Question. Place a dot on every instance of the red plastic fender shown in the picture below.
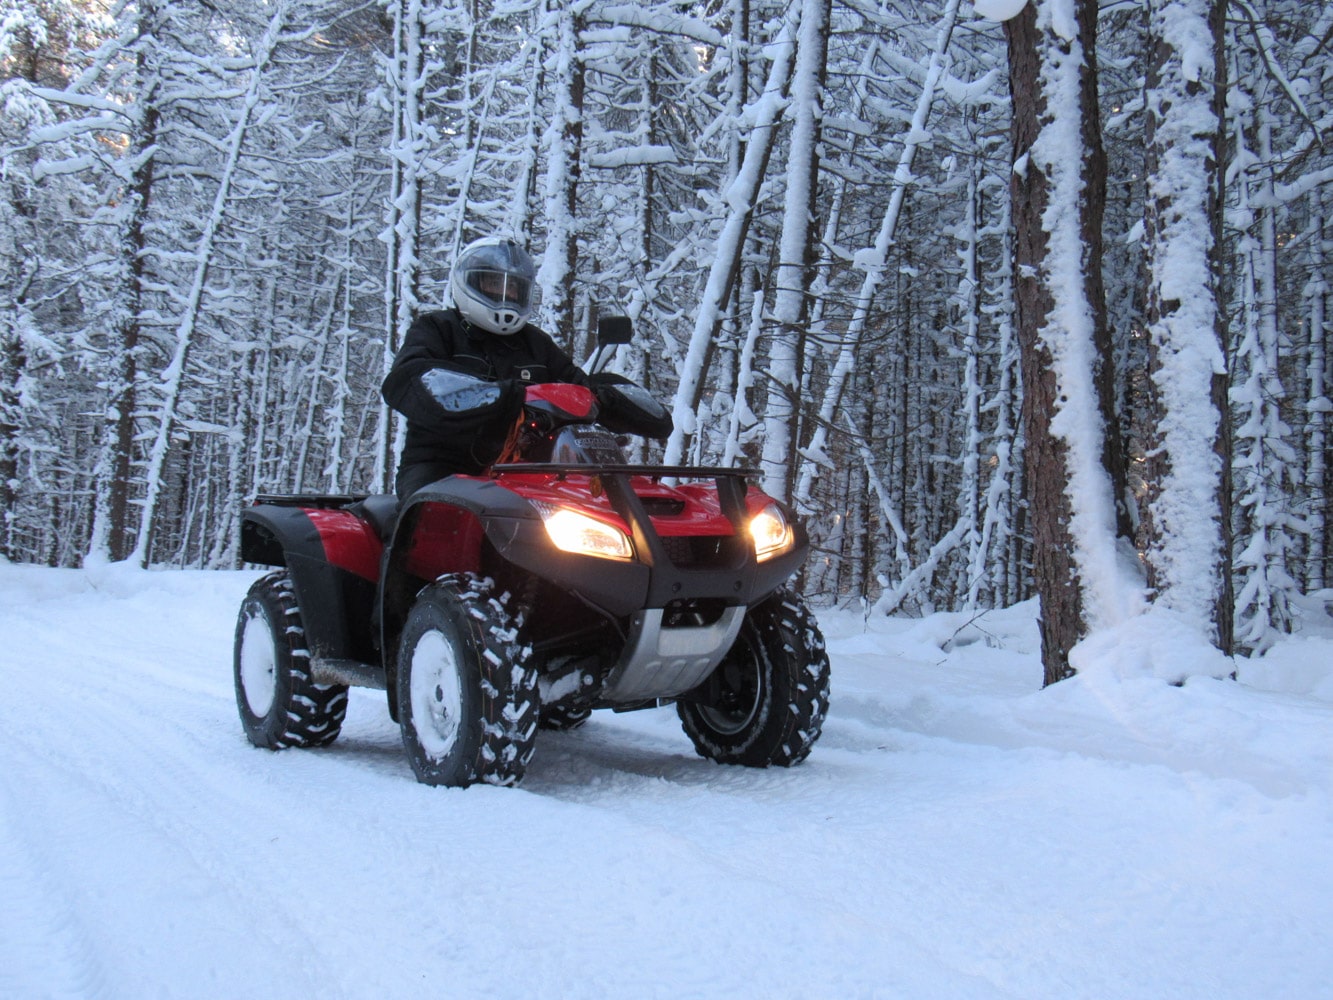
(349, 542)
(574, 401)
(445, 539)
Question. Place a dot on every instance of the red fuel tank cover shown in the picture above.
(574, 401)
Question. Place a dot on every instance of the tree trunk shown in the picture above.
(563, 147)
(1182, 519)
(174, 376)
(741, 195)
(791, 303)
(873, 262)
(1316, 427)
(1056, 186)
(111, 508)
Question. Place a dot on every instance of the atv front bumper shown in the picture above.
(667, 570)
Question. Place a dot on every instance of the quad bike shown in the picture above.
(561, 581)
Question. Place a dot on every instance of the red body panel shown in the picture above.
(569, 400)
(349, 542)
(446, 540)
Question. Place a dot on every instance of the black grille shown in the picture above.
(662, 506)
(708, 551)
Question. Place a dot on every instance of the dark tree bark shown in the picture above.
(1052, 555)
(1057, 575)
(13, 362)
(113, 482)
(1225, 617)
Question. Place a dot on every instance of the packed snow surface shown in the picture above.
(957, 832)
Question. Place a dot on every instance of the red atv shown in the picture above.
(561, 581)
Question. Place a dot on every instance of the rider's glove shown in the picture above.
(627, 408)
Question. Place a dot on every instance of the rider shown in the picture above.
(459, 377)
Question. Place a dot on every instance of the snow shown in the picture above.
(998, 10)
(633, 156)
(957, 831)
(1186, 349)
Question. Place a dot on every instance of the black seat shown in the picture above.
(381, 510)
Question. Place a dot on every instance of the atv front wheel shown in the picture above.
(280, 704)
(765, 702)
(467, 700)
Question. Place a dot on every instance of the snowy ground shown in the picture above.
(956, 833)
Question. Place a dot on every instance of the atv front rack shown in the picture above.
(563, 469)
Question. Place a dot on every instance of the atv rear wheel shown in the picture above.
(467, 700)
(280, 704)
(765, 702)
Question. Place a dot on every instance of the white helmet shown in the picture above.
(492, 285)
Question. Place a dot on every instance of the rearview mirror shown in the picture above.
(614, 330)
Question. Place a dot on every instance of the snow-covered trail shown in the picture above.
(955, 832)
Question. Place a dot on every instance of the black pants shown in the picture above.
(412, 477)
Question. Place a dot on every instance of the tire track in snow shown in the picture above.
(162, 870)
(136, 763)
(39, 924)
(702, 826)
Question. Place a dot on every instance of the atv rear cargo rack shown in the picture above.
(317, 501)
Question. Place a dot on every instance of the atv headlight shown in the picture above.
(571, 531)
(771, 533)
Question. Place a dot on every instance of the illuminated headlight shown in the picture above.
(771, 533)
(571, 531)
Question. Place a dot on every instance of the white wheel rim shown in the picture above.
(437, 694)
(259, 665)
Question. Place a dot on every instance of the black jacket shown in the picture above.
(461, 389)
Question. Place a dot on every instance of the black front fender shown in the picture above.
(335, 604)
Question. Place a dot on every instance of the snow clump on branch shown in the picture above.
(998, 10)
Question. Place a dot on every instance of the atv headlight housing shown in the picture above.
(771, 533)
(572, 531)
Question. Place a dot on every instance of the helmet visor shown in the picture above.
(500, 288)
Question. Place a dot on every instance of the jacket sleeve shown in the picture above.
(426, 387)
(560, 366)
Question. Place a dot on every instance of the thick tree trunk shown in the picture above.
(1094, 204)
(1057, 186)
(1183, 517)
(1052, 561)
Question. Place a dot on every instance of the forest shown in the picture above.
(1000, 297)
